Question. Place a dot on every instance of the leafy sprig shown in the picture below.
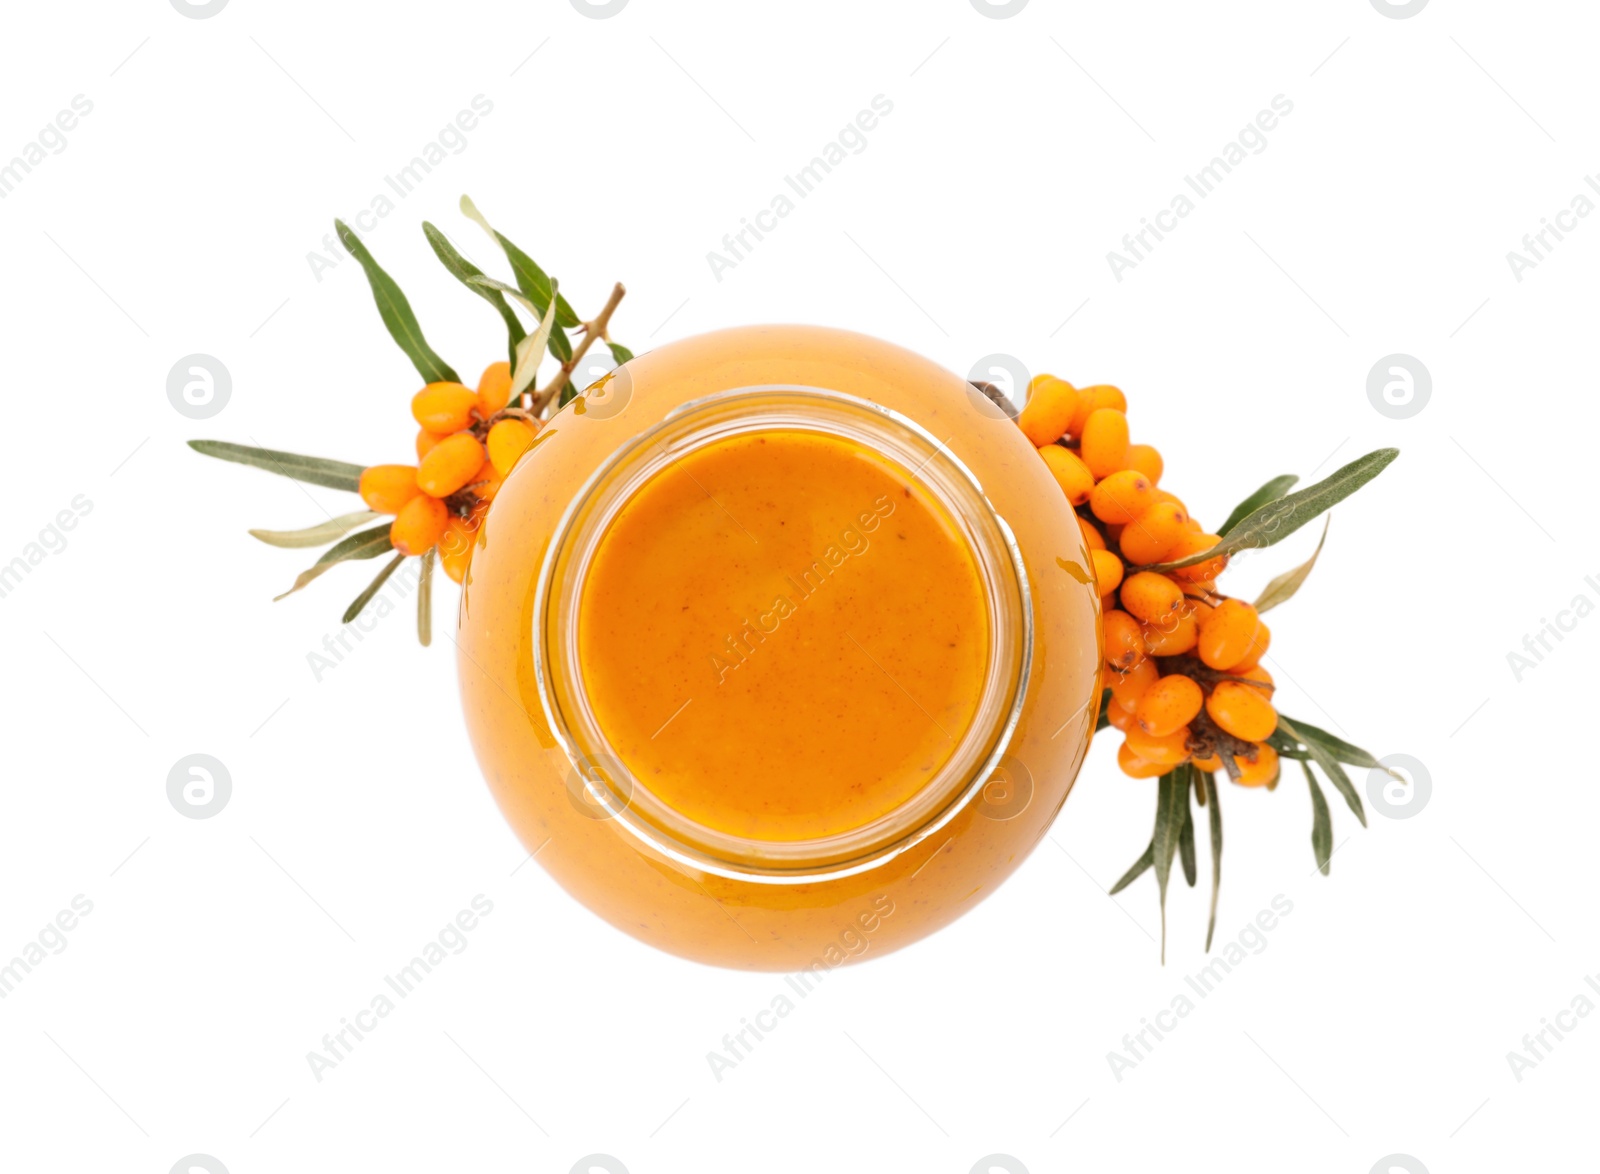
(1262, 519)
(552, 316)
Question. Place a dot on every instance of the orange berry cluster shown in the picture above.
(1183, 662)
(466, 445)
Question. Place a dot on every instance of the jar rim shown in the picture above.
(601, 784)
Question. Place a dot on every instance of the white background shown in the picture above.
(179, 218)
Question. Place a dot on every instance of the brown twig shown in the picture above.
(591, 331)
(1207, 739)
(1204, 675)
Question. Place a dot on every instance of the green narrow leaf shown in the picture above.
(530, 348)
(315, 535)
(1164, 841)
(1186, 845)
(1282, 588)
(425, 600)
(1332, 743)
(532, 281)
(464, 271)
(1271, 491)
(1139, 867)
(1215, 808)
(1276, 520)
(619, 353)
(312, 470)
(483, 282)
(529, 352)
(1321, 822)
(1330, 767)
(361, 601)
(304, 579)
(367, 544)
(559, 344)
(396, 312)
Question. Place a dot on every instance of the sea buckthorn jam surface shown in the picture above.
(783, 635)
(780, 646)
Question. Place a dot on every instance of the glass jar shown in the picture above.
(805, 816)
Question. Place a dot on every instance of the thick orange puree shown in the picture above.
(783, 635)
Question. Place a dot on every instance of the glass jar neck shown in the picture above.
(602, 784)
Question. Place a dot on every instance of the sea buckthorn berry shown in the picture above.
(1170, 704)
(1123, 639)
(494, 388)
(1104, 446)
(1193, 542)
(455, 549)
(1121, 497)
(1127, 687)
(1107, 571)
(1119, 718)
(486, 482)
(1070, 473)
(1091, 399)
(387, 488)
(1151, 597)
(508, 440)
(1168, 749)
(444, 407)
(1149, 537)
(1091, 536)
(453, 462)
(1163, 495)
(1213, 763)
(1147, 460)
(1242, 710)
(1051, 405)
(1227, 633)
(1172, 636)
(1260, 773)
(1260, 676)
(1135, 767)
(425, 441)
(1258, 649)
(418, 525)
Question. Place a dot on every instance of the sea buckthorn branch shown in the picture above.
(1185, 686)
(468, 439)
(591, 331)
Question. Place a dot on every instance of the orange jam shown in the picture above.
(783, 635)
(779, 648)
